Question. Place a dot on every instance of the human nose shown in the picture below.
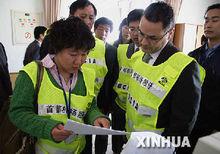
(103, 33)
(79, 60)
(208, 23)
(135, 32)
(143, 40)
(88, 22)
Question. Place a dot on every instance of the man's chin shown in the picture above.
(146, 50)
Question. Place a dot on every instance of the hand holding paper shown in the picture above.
(102, 122)
(79, 128)
(59, 133)
(83, 129)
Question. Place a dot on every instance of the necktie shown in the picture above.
(146, 57)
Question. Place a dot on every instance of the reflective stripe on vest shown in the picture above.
(125, 71)
(96, 61)
(148, 87)
(51, 103)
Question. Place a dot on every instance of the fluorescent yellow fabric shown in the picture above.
(148, 87)
(125, 70)
(202, 74)
(96, 61)
(51, 104)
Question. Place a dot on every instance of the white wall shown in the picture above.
(192, 11)
(15, 53)
(116, 10)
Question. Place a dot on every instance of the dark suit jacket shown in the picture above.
(209, 113)
(130, 50)
(32, 52)
(107, 95)
(178, 111)
(5, 83)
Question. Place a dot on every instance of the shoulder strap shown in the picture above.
(40, 72)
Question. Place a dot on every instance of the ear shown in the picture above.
(41, 37)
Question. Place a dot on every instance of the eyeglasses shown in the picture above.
(153, 39)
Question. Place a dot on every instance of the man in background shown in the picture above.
(102, 28)
(104, 64)
(124, 53)
(33, 49)
(208, 56)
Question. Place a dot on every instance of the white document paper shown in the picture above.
(80, 128)
(83, 129)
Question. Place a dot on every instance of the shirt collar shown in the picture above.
(213, 48)
(210, 51)
(39, 42)
(47, 61)
(157, 53)
(135, 47)
(216, 46)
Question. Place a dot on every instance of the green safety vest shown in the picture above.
(96, 61)
(148, 87)
(125, 71)
(51, 104)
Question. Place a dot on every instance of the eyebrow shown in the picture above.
(154, 36)
(214, 17)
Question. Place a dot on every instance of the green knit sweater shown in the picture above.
(21, 110)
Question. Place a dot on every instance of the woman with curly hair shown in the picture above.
(66, 91)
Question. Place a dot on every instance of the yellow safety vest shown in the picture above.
(96, 61)
(125, 71)
(148, 87)
(51, 104)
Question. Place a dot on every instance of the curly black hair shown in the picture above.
(70, 33)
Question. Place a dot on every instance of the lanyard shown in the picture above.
(67, 101)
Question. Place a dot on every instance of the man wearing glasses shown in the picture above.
(124, 54)
(165, 87)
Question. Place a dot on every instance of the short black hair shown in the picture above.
(39, 30)
(135, 15)
(80, 4)
(160, 12)
(70, 33)
(103, 21)
(124, 22)
(214, 6)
